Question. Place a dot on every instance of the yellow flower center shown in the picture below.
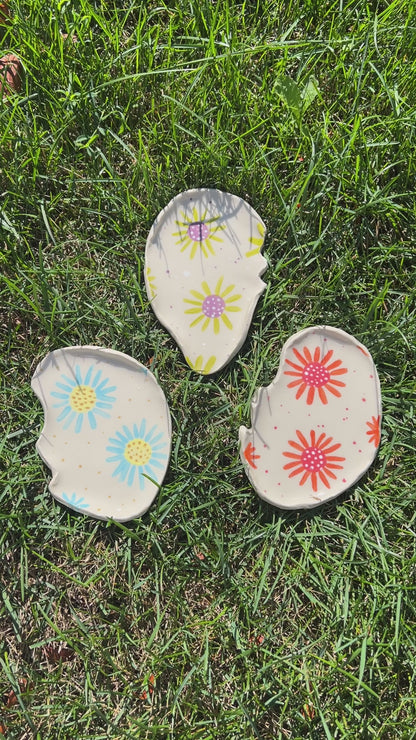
(83, 398)
(137, 452)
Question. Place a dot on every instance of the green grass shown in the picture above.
(255, 623)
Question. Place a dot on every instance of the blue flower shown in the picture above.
(137, 453)
(77, 503)
(81, 397)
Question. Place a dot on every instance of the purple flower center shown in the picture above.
(315, 374)
(198, 231)
(213, 306)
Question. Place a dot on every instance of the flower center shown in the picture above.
(198, 231)
(316, 374)
(313, 459)
(82, 399)
(213, 306)
(137, 452)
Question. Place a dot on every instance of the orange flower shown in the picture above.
(374, 431)
(313, 459)
(250, 456)
(315, 374)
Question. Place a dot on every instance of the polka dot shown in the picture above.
(198, 231)
(315, 374)
(313, 459)
(213, 306)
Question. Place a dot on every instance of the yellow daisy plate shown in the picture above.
(203, 268)
(107, 431)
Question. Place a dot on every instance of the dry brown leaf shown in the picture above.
(11, 74)
(56, 653)
(150, 687)
(308, 711)
(4, 14)
(10, 698)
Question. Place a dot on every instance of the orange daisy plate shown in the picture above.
(316, 427)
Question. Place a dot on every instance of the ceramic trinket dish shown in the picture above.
(107, 431)
(316, 427)
(203, 268)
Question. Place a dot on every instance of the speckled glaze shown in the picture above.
(316, 427)
(203, 268)
(107, 431)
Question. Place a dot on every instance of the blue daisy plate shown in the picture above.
(107, 431)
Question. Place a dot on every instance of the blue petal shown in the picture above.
(59, 405)
(101, 413)
(88, 375)
(127, 432)
(67, 388)
(104, 398)
(78, 425)
(122, 470)
(120, 445)
(149, 434)
(70, 419)
(117, 450)
(132, 473)
(114, 458)
(71, 381)
(97, 377)
(78, 375)
(103, 405)
(91, 419)
(64, 413)
(154, 463)
(155, 448)
(155, 439)
(101, 388)
(60, 395)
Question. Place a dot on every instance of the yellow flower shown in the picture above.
(213, 306)
(198, 232)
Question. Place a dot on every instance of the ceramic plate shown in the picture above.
(203, 268)
(107, 431)
(316, 428)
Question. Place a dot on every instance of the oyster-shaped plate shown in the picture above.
(107, 431)
(316, 427)
(203, 268)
